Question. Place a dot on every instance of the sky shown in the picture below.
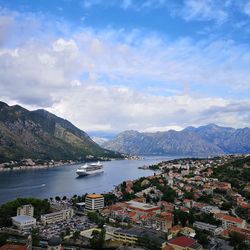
(114, 65)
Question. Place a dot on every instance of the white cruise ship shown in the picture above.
(90, 169)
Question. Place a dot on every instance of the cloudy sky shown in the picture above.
(113, 65)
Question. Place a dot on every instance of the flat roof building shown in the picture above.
(142, 207)
(94, 202)
(57, 216)
(23, 222)
(207, 227)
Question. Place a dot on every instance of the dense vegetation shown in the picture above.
(9, 209)
(236, 172)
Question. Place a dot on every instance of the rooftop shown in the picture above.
(140, 232)
(142, 206)
(183, 241)
(229, 218)
(13, 247)
(94, 196)
(22, 218)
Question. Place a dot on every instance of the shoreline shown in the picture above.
(35, 167)
(53, 164)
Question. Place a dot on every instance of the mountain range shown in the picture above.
(42, 135)
(202, 141)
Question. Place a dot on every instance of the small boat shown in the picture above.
(90, 169)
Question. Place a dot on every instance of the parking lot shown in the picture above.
(77, 223)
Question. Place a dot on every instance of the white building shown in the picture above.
(210, 210)
(57, 216)
(94, 202)
(25, 210)
(208, 227)
(23, 222)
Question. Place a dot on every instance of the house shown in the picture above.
(167, 206)
(175, 230)
(188, 231)
(243, 232)
(228, 221)
(184, 243)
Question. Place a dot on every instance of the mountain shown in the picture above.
(202, 141)
(42, 135)
(99, 140)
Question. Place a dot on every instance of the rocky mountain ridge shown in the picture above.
(42, 135)
(202, 141)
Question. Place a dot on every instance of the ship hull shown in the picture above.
(89, 173)
(84, 173)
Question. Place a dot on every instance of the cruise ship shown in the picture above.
(90, 169)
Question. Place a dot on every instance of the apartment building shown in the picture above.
(94, 202)
(57, 216)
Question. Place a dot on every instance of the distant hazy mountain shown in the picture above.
(201, 141)
(42, 135)
(99, 140)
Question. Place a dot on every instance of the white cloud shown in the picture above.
(113, 79)
(247, 8)
(113, 109)
(204, 10)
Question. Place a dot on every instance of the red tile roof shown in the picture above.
(13, 247)
(182, 241)
(228, 218)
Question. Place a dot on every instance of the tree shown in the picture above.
(148, 243)
(57, 198)
(8, 209)
(76, 234)
(67, 231)
(64, 198)
(94, 217)
(236, 239)
(3, 239)
(169, 195)
(98, 239)
(201, 237)
(35, 237)
(109, 199)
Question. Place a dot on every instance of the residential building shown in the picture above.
(142, 208)
(26, 210)
(210, 209)
(94, 202)
(243, 232)
(228, 221)
(188, 231)
(57, 216)
(23, 222)
(207, 227)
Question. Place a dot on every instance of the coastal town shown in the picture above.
(185, 204)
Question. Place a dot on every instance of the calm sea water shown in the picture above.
(45, 183)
